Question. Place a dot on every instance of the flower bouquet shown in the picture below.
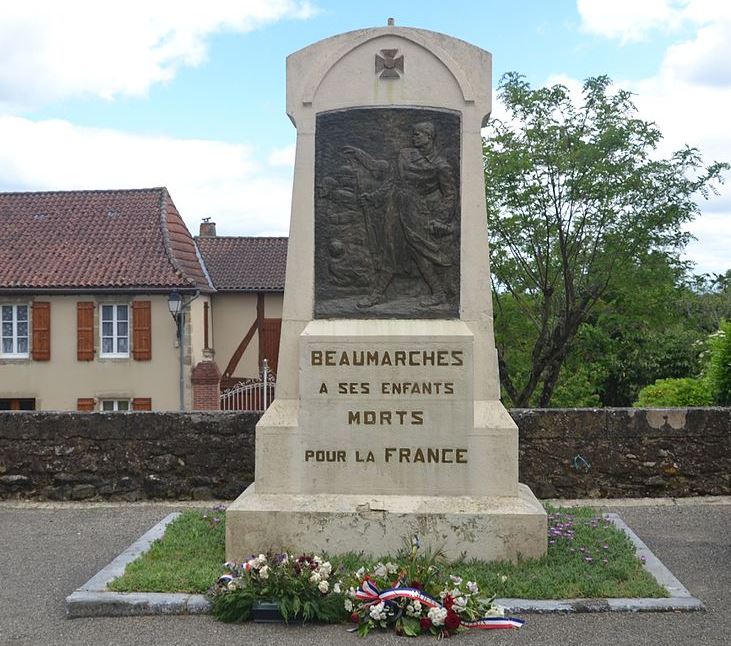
(300, 587)
(412, 598)
(418, 598)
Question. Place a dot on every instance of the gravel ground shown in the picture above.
(47, 551)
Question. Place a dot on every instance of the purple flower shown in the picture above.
(588, 559)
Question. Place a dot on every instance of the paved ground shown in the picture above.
(46, 552)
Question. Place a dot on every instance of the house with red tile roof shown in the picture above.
(86, 279)
(248, 275)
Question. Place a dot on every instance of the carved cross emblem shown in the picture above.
(388, 65)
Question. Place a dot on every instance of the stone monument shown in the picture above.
(387, 420)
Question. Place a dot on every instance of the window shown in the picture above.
(14, 330)
(115, 404)
(115, 330)
(18, 404)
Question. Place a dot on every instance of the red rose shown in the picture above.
(417, 585)
(355, 618)
(452, 620)
(448, 602)
(425, 623)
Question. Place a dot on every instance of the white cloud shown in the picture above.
(205, 178)
(710, 250)
(689, 98)
(282, 156)
(630, 20)
(705, 59)
(52, 50)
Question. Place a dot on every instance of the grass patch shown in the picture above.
(188, 558)
(587, 557)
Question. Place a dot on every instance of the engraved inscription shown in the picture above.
(387, 217)
(398, 455)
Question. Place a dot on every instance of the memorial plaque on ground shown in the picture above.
(387, 420)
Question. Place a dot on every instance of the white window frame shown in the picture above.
(115, 405)
(115, 354)
(14, 336)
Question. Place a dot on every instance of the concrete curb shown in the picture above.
(94, 600)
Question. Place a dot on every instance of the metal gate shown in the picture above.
(253, 395)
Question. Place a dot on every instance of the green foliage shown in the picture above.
(719, 365)
(580, 211)
(675, 393)
(300, 587)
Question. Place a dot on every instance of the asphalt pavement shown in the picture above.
(47, 551)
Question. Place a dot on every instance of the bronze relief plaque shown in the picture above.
(387, 213)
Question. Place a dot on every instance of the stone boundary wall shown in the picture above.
(566, 453)
(126, 456)
(625, 452)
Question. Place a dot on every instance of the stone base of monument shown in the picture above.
(486, 528)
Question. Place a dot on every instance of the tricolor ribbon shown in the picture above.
(225, 579)
(370, 594)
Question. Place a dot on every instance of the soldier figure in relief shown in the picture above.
(416, 206)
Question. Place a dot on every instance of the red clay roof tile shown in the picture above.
(131, 239)
(245, 263)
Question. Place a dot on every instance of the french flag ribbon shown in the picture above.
(494, 623)
(369, 593)
(227, 578)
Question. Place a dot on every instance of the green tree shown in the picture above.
(575, 195)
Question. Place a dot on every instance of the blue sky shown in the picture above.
(190, 95)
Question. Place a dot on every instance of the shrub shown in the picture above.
(675, 393)
(719, 365)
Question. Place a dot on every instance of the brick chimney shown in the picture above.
(208, 228)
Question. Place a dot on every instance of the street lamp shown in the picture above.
(177, 306)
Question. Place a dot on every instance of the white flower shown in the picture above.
(456, 579)
(378, 612)
(391, 568)
(264, 572)
(437, 616)
(231, 585)
(258, 561)
(325, 570)
(455, 592)
(323, 586)
(336, 588)
(503, 578)
(443, 594)
(495, 611)
(460, 603)
(472, 587)
(359, 574)
(348, 604)
(315, 578)
(414, 609)
(380, 570)
(351, 592)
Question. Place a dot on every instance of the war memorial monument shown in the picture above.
(388, 420)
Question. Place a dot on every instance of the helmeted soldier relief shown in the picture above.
(407, 197)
